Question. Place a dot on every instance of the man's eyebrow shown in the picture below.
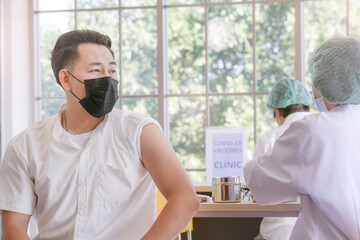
(99, 63)
(95, 64)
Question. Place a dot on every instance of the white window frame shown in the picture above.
(163, 67)
(162, 94)
(16, 83)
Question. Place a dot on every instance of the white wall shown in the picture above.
(16, 75)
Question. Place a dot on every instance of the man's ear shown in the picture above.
(278, 117)
(277, 113)
(64, 79)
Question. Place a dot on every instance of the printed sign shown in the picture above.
(225, 152)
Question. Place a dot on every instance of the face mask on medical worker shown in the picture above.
(101, 95)
(320, 104)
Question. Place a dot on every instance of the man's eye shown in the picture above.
(112, 71)
(95, 70)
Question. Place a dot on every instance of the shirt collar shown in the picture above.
(60, 134)
(294, 117)
(355, 108)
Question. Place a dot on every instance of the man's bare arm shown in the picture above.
(172, 181)
(14, 226)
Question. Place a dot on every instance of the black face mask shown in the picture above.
(101, 95)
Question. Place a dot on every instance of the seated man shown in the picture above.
(317, 157)
(290, 102)
(90, 172)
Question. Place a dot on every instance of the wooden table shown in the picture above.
(239, 210)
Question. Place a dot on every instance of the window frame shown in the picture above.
(162, 56)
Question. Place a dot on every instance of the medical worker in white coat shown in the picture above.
(290, 101)
(318, 157)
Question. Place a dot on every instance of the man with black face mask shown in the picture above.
(91, 172)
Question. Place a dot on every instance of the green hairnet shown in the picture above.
(287, 92)
(335, 70)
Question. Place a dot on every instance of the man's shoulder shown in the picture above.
(37, 129)
(129, 124)
(127, 118)
(126, 114)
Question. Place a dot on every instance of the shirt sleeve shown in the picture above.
(139, 131)
(133, 124)
(266, 142)
(273, 178)
(16, 187)
(262, 146)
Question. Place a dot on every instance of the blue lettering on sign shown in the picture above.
(223, 143)
(227, 164)
(238, 143)
(227, 150)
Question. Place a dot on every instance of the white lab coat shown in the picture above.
(318, 159)
(276, 228)
(267, 141)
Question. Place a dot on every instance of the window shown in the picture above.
(1, 77)
(196, 63)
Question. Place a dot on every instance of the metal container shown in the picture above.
(226, 189)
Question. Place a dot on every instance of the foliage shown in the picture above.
(209, 85)
(323, 20)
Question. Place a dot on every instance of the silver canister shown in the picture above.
(226, 189)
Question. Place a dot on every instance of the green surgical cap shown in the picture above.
(288, 92)
(335, 70)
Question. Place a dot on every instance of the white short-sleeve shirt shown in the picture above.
(100, 191)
